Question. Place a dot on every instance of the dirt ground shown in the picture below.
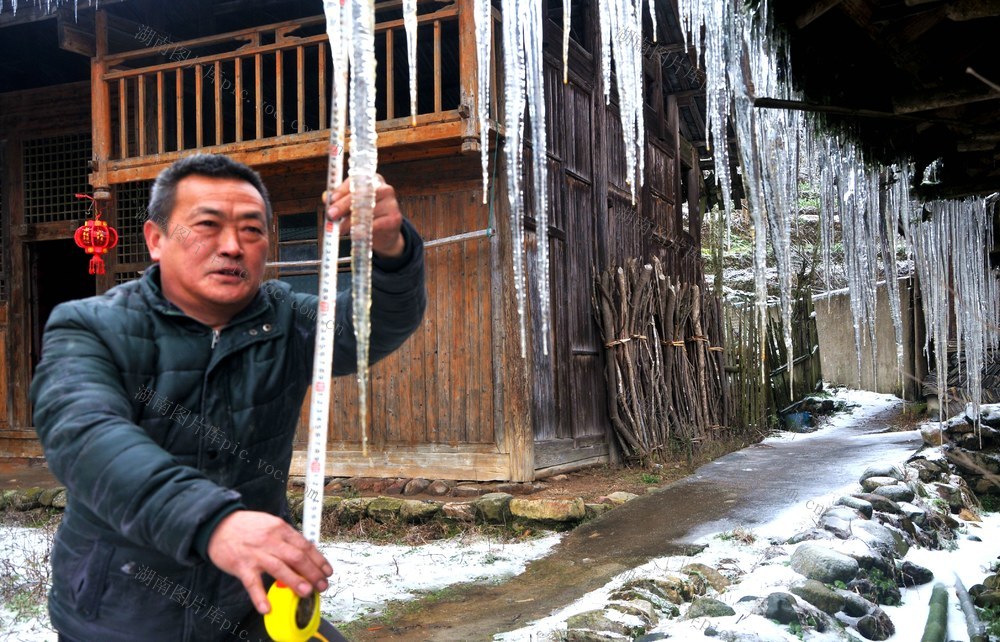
(597, 481)
(754, 482)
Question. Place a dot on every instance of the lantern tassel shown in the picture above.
(97, 265)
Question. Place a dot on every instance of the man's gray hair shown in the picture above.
(164, 191)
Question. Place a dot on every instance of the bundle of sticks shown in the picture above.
(665, 363)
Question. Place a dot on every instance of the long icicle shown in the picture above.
(363, 168)
(532, 29)
(567, 23)
(410, 24)
(514, 95)
(319, 410)
(484, 44)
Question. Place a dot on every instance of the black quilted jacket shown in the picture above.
(157, 427)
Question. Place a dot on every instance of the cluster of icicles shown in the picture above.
(49, 4)
(947, 241)
(524, 95)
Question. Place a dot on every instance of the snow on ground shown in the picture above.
(366, 576)
(760, 576)
(762, 568)
(24, 571)
(803, 514)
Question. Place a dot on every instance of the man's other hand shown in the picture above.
(247, 544)
(387, 239)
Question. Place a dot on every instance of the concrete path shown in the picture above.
(744, 488)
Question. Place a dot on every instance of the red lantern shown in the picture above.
(95, 237)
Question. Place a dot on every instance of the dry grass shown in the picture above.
(739, 534)
(25, 568)
(399, 532)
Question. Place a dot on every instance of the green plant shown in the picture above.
(839, 584)
(990, 616)
(649, 478)
(885, 587)
(991, 503)
(796, 629)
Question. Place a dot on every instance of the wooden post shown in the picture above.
(100, 105)
(123, 117)
(238, 93)
(514, 414)
(323, 99)
(179, 98)
(390, 71)
(437, 66)
(161, 135)
(300, 86)
(18, 326)
(468, 75)
(199, 106)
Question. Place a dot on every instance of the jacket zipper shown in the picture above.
(215, 338)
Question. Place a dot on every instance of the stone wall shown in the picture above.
(839, 355)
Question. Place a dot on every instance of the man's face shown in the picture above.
(213, 252)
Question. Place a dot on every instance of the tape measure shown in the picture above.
(295, 619)
(291, 618)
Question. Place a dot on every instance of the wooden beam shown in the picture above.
(798, 105)
(468, 75)
(430, 140)
(100, 104)
(963, 10)
(815, 10)
(53, 231)
(74, 38)
(397, 461)
(542, 473)
(940, 100)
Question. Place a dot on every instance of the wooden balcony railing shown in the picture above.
(262, 94)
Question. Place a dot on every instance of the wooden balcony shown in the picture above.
(262, 95)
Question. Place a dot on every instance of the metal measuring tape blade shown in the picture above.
(295, 619)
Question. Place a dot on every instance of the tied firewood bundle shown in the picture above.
(665, 365)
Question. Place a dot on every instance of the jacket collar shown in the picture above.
(152, 291)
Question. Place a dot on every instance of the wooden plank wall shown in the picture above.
(570, 422)
(437, 390)
(26, 115)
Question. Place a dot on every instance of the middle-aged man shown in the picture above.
(167, 406)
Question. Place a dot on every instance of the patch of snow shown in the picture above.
(22, 550)
(970, 561)
(367, 576)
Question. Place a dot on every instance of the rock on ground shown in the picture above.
(823, 564)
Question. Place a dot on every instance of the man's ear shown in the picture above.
(155, 237)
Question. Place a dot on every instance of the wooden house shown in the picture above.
(101, 98)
